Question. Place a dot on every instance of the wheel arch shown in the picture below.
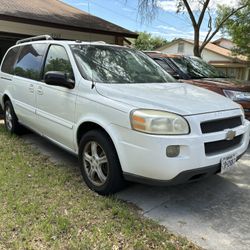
(5, 99)
(89, 125)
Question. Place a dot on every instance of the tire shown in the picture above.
(99, 163)
(10, 119)
(1, 113)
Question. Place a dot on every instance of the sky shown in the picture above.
(167, 23)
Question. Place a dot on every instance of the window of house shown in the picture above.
(232, 72)
(29, 63)
(180, 47)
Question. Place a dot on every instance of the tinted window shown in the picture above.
(9, 61)
(110, 64)
(197, 68)
(166, 67)
(58, 60)
(29, 62)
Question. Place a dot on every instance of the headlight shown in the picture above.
(158, 122)
(237, 95)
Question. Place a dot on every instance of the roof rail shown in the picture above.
(35, 38)
(101, 42)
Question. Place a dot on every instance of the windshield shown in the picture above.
(110, 64)
(195, 67)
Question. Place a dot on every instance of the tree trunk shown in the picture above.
(197, 42)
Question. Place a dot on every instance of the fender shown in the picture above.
(102, 122)
(7, 93)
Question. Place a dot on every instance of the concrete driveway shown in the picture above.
(213, 213)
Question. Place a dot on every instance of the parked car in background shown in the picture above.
(196, 71)
(120, 112)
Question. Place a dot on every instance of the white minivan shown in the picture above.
(124, 116)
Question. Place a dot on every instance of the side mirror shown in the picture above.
(58, 78)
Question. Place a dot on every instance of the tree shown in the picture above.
(238, 27)
(148, 9)
(146, 41)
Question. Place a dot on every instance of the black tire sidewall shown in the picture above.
(15, 125)
(114, 180)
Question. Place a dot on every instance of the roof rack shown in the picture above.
(91, 42)
(35, 38)
(101, 42)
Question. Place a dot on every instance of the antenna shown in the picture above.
(92, 78)
(89, 21)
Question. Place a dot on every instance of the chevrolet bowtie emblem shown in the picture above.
(230, 135)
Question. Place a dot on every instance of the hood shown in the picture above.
(180, 98)
(223, 83)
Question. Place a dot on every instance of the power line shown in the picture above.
(135, 20)
(164, 22)
(114, 13)
(121, 15)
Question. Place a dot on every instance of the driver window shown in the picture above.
(58, 60)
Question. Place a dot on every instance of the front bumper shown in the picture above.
(183, 177)
(144, 155)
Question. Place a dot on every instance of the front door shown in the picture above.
(56, 105)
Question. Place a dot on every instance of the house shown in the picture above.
(218, 53)
(24, 18)
(224, 43)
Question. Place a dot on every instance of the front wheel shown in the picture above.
(10, 118)
(99, 163)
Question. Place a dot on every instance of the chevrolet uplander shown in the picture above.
(120, 112)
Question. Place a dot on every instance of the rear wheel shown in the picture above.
(10, 118)
(99, 163)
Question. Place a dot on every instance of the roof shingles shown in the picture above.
(57, 12)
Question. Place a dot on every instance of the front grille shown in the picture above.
(222, 146)
(221, 124)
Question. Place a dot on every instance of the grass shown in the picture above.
(47, 206)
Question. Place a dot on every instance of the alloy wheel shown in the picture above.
(8, 118)
(95, 163)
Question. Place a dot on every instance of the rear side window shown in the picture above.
(9, 61)
(29, 62)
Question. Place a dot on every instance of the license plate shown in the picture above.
(227, 163)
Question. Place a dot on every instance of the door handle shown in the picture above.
(40, 90)
(5, 78)
(31, 88)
